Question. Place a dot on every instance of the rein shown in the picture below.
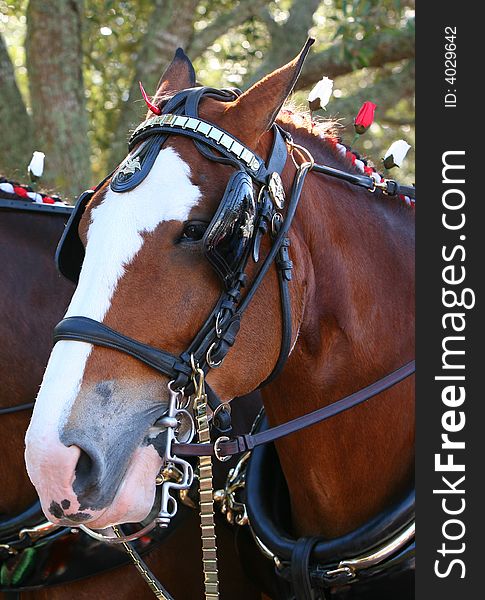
(223, 450)
(8, 410)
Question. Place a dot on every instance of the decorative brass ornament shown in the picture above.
(228, 498)
(276, 190)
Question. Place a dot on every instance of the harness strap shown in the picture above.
(84, 329)
(388, 186)
(7, 410)
(284, 266)
(300, 572)
(247, 442)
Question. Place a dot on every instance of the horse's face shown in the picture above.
(89, 450)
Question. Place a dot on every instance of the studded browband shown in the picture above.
(169, 123)
(228, 145)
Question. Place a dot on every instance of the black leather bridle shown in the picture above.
(273, 213)
(211, 344)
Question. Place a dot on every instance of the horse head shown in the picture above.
(90, 448)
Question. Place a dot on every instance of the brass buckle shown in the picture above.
(378, 186)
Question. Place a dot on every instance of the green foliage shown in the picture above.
(114, 33)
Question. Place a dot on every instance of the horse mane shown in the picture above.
(321, 137)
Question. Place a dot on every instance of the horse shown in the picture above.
(33, 298)
(158, 245)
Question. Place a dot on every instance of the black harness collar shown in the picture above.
(318, 559)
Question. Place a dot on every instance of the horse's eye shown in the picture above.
(193, 231)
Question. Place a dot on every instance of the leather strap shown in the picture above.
(247, 442)
(16, 408)
(392, 188)
(31, 206)
(83, 329)
(300, 568)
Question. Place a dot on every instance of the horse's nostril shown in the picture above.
(88, 472)
(84, 466)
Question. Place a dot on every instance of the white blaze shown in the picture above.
(114, 238)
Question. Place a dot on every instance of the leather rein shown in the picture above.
(223, 450)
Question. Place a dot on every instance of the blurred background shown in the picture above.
(69, 71)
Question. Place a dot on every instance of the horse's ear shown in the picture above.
(179, 75)
(259, 106)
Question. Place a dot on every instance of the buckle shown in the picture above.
(217, 450)
(212, 364)
(391, 187)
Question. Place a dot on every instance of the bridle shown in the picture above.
(211, 344)
(218, 334)
(272, 212)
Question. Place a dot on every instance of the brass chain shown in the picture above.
(209, 548)
(206, 492)
(155, 586)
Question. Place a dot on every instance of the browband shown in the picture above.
(231, 147)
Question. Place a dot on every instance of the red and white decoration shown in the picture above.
(24, 192)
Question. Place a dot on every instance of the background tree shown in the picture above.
(54, 57)
(93, 61)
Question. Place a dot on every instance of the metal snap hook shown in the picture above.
(276, 221)
(218, 324)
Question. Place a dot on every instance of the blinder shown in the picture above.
(70, 250)
(226, 241)
(228, 237)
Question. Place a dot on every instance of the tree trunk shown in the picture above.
(15, 124)
(170, 26)
(54, 61)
